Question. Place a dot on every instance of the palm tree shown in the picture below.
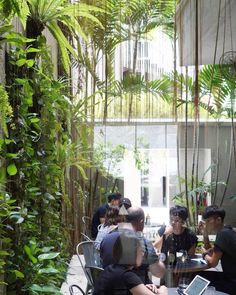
(36, 15)
(142, 18)
(221, 102)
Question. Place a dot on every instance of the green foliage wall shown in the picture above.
(33, 235)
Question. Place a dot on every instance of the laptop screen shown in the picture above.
(197, 286)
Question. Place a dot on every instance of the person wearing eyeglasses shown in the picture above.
(176, 236)
(224, 249)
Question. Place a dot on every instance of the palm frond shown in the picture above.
(63, 44)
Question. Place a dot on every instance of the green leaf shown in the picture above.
(30, 63)
(11, 169)
(29, 253)
(21, 62)
(8, 141)
(45, 289)
(20, 220)
(47, 249)
(34, 120)
(31, 49)
(49, 269)
(11, 155)
(18, 274)
(48, 256)
(3, 253)
(49, 196)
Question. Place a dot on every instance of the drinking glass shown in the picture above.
(183, 283)
(210, 290)
(184, 256)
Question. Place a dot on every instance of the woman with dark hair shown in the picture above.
(112, 218)
(118, 278)
(176, 236)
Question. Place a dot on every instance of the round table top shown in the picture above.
(173, 291)
(190, 265)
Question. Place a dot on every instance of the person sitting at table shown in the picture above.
(134, 223)
(112, 218)
(224, 249)
(119, 278)
(99, 215)
(176, 236)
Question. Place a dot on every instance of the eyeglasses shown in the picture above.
(176, 220)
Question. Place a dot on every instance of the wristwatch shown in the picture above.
(162, 257)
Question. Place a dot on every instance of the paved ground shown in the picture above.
(75, 275)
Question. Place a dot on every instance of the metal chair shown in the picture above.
(93, 273)
(86, 238)
(71, 289)
(91, 259)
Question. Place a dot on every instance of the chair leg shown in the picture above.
(89, 289)
(75, 286)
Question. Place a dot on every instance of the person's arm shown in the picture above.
(206, 241)
(213, 259)
(157, 269)
(191, 251)
(163, 231)
(143, 290)
(203, 231)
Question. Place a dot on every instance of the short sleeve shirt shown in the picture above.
(150, 257)
(180, 242)
(116, 279)
(226, 243)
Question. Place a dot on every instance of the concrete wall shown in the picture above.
(208, 140)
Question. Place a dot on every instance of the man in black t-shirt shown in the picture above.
(224, 249)
(99, 216)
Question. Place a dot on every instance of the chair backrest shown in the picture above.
(93, 273)
(86, 238)
(91, 255)
(72, 287)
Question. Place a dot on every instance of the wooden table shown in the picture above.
(187, 268)
(173, 291)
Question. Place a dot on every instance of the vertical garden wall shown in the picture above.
(41, 140)
(49, 173)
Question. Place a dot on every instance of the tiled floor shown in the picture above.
(75, 275)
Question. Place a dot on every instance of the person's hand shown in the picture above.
(208, 252)
(202, 227)
(152, 287)
(162, 290)
(169, 230)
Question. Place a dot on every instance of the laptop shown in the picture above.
(197, 286)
